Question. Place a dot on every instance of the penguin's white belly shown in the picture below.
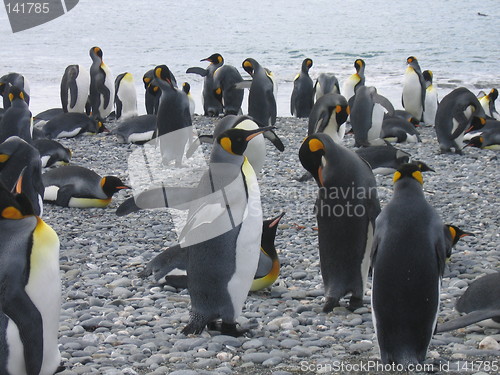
(334, 131)
(45, 160)
(384, 170)
(460, 138)
(377, 119)
(365, 263)
(141, 137)
(88, 202)
(412, 94)
(247, 244)
(44, 290)
(256, 148)
(128, 97)
(69, 134)
(50, 193)
(431, 104)
(348, 86)
(109, 83)
(411, 138)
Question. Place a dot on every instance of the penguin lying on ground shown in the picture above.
(395, 129)
(171, 264)
(408, 258)
(71, 124)
(138, 129)
(480, 302)
(30, 293)
(52, 153)
(346, 208)
(222, 233)
(383, 159)
(75, 186)
(489, 136)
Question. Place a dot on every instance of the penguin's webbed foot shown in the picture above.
(196, 324)
(230, 329)
(355, 303)
(305, 177)
(330, 304)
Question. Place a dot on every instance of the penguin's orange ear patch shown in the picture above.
(4, 158)
(11, 97)
(338, 109)
(158, 72)
(453, 232)
(316, 145)
(417, 175)
(396, 177)
(11, 213)
(218, 91)
(247, 64)
(348, 110)
(226, 144)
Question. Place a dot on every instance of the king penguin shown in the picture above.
(30, 296)
(457, 113)
(302, 94)
(326, 83)
(414, 89)
(186, 88)
(261, 99)
(139, 129)
(152, 93)
(71, 124)
(173, 120)
(75, 86)
(346, 208)
(408, 258)
(17, 119)
(225, 80)
(125, 96)
(355, 81)
(222, 234)
(488, 104)
(102, 88)
(431, 99)
(211, 105)
(52, 153)
(75, 186)
(328, 115)
(10, 80)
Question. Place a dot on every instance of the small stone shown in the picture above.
(489, 343)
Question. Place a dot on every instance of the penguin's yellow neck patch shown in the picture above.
(227, 145)
(11, 97)
(4, 158)
(338, 109)
(103, 181)
(417, 175)
(12, 213)
(396, 177)
(316, 145)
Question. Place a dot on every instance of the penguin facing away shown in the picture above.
(75, 186)
(102, 88)
(488, 104)
(16, 120)
(10, 80)
(408, 258)
(346, 208)
(414, 89)
(30, 296)
(326, 83)
(125, 96)
(301, 101)
(226, 79)
(75, 86)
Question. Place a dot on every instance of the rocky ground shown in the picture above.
(114, 322)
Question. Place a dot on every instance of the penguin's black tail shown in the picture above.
(196, 325)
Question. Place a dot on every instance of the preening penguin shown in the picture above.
(75, 86)
(302, 94)
(457, 113)
(16, 120)
(488, 104)
(395, 129)
(211, 105)
(30, 296)
(326, 83)
(346, 208)
(408, 258)
(355, 81)
(102, 88)
(52, 153)
(226, 79)
(13, 80)
(261, 99)
(328, 115)
(125, 96)
(75, 186)
(431, 99)
(152, 92)
(414, 89)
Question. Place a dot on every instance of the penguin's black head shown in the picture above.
(15, 93)
(342, 113)
(422, 166)
(358, 64)
(477, 123)
(269, 228)
(235, 140)
(457, 233)
(493, 95)
(249, 66)
(163, 73)
(307, 64)
(147, 78)
(112, 184)
(96, 51)
(411, 59)
(186, 87)
(311, 153)
(215, 59)
(476, 141)
(408, 171)
(428, 75)
(14, 206)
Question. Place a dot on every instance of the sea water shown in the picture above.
(457, 40)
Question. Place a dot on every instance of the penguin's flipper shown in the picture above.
(272, 102)
(384, 102)
(119, 107)
(245, 84)
(275, 140)
(322, 122)
(197, 143)
(73, 89)
(466, 320)
(64, 195)
(22, 311)
(197, 70)
(459, 116)
(106, 95)
(265, 265)
(160, 266)
(127, 207)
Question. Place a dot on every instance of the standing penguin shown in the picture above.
(346, 208)
(75, 85)
(13, 79)
(431, 99)
(261, 99)
(355, 81)
(222, 234)
(302, 94)
(328, 116)
(173, 120)
(102, 89)
(231, 97)
(414, 89)
(125, 96)
(186, 88)
(211, 105)
(17, 118)
(409, 251)
(152, 92)
(74, 186)
(367, 116)
(30, 296)
(488, 104)
(19, 158)
(456, 114)
(326, 83)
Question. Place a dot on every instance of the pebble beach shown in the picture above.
(115, 322)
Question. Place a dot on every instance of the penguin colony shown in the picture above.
(226, 248)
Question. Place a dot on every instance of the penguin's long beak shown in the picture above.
(18, 187)
(123, 187)
(256, 132)
(277, 220)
